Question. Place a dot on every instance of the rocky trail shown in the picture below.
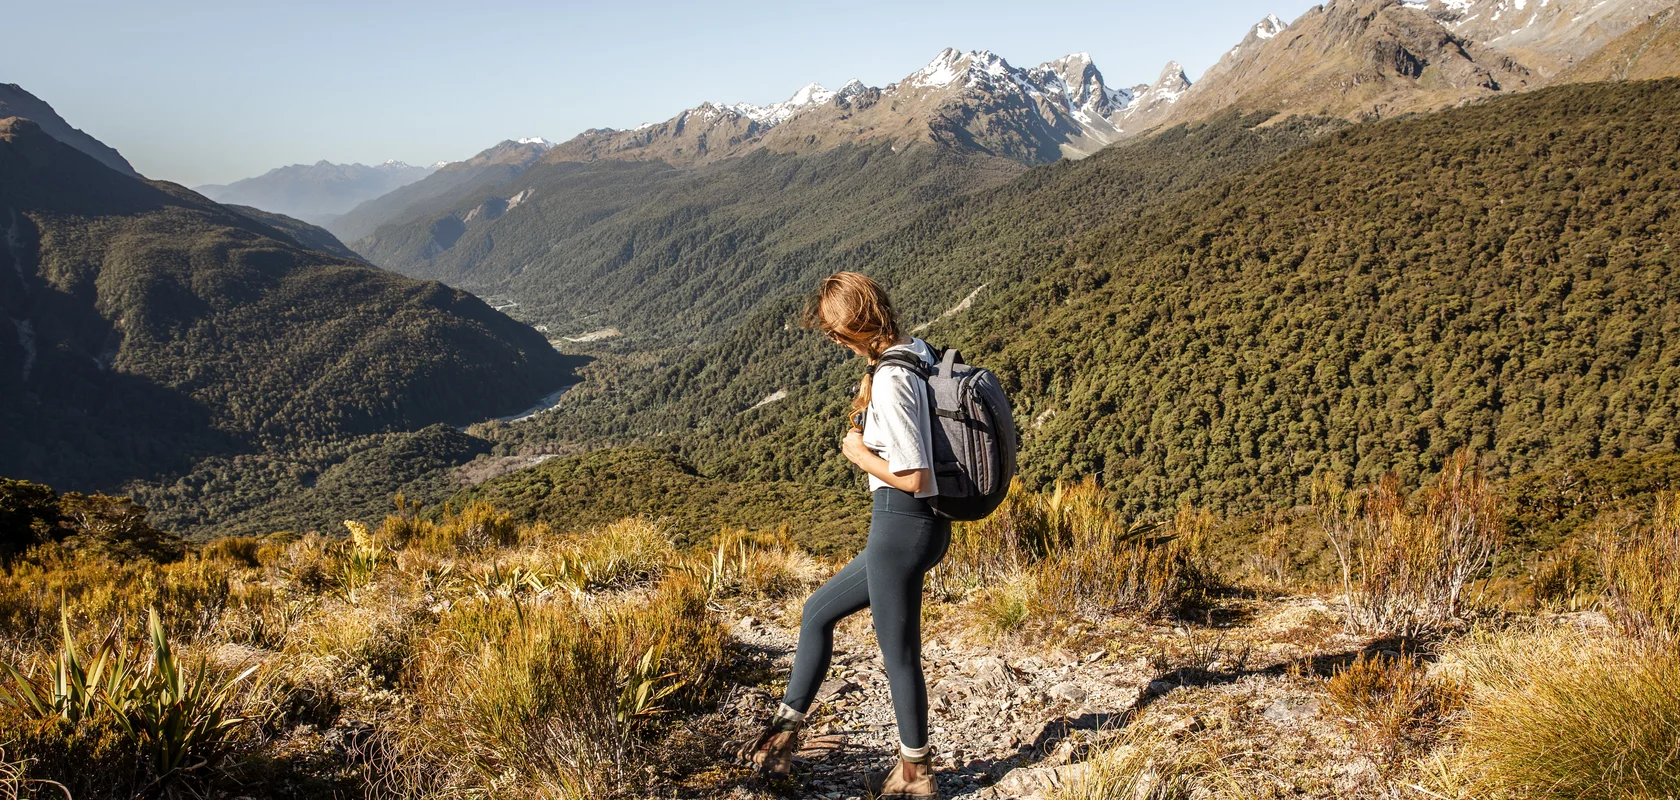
(1015, 721)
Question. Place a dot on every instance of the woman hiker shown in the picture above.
(891, 439)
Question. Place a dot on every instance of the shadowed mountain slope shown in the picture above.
(147, 327)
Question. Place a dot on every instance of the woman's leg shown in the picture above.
(905, 541)
(842, 596)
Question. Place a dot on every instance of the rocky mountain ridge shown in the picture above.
(16, 102)
(974, 99)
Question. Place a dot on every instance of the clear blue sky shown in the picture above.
(209, 92)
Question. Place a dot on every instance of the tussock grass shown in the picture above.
(756, 566)
(554, 695)
(1641, 563)
(1145, 763)
(1561, 713)
(1064, 553)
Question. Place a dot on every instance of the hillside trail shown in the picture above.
(1012, 721)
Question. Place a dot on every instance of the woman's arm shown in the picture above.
(911, 481)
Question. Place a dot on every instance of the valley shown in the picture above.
(1347, 377)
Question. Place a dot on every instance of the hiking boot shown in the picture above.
(910, 779)
(772, 751)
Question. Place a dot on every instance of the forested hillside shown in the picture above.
(669, 255)
(149, 328)
(1497, 276)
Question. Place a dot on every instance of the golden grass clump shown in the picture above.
(1641, 564)
(1565, 714)
(1406, 565)
(477, 527)
(554, 695)
(1065, 553)
(623, 554)
(1143, 763)
(754, 566)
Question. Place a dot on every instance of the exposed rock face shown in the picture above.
(1367, 59)
(1546, 36)
(1650, 50)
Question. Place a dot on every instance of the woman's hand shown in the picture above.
(852, 447)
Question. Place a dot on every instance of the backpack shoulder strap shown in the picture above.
(900, 358)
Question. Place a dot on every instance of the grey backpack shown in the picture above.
(974, 442)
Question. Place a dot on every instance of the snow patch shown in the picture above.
(1269, 27)
(536, 140)
(811, 94)
(941, 71)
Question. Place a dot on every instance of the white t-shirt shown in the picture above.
(896, 425)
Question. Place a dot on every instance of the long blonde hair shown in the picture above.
(854, 309)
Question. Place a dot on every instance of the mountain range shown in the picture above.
(1099, 244)
(316, 192)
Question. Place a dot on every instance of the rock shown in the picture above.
(1069, 692)
(951, 687)
(1032, 782)
(991, 671)
(745, 627)
(1185, 726)
(1147, 780)
(833, 689)
(1095, 657)
(1161, 687)
(1291, 709)
(351, 740)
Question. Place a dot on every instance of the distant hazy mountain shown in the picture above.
(146, 327)
(316, 192)
(15, 102)
(493, 167)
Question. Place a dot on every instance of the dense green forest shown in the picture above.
(1498, 276)
(156, 329)
(577, 493)
(669, 256)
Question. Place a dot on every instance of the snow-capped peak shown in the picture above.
(811, 94)
(1269, 27)
(536, 140)
(439, 164)
(941, 71)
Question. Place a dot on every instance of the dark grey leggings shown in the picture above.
(905, 541)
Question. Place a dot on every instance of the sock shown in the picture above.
(788, 713)
(914, 753)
